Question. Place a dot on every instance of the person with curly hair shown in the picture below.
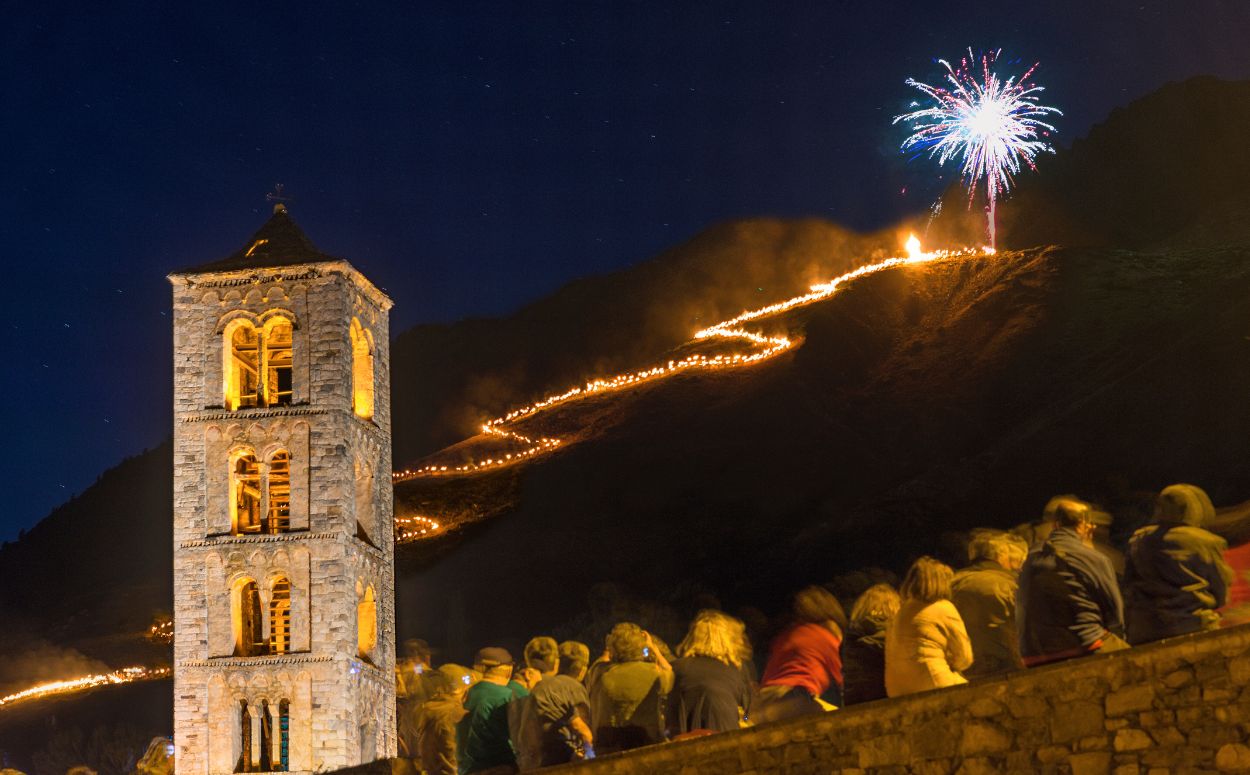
(627, 692)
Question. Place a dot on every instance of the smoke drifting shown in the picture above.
(449, 379)
(42, 662)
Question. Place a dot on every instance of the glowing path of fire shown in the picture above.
(768, 346)
(411, 528)
(124, 676)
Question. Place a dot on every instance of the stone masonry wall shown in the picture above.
(341, 705)
(1178, 706)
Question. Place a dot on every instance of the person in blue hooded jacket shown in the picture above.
(1175, 576)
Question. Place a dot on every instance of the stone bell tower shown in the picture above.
(284, 645)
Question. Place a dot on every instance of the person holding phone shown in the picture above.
(627, 691)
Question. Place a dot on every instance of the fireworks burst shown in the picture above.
(992, 126)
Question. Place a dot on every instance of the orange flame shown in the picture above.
(764, 347)
(124, 676)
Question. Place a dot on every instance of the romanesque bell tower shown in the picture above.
(284, 645)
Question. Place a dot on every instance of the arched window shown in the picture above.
(362, 370)
(257, 363)
(280, 617)
(277, 351)
(364, 504)
(266, 738)
(248, 640)
(367, 625)
(279, 492)
(284, 736)
(242, 365)
(244, 763)
(245, 494)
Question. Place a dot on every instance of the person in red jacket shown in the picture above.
(804, 669)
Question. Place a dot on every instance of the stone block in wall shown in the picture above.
(1175, 679)
(1131, 699)
(1132, 740)
(1214, 735)
(985, 707)
(884, 751)
(982, 738)
(1233, 757)
(1096, 763)
(934, 738)
(1239, 670)
(1050, 754)
(1028, 707)
(1076, 720)
(980, 766)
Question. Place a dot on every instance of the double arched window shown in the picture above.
(260, 495)
(250, 638)
(362, 370)
(257, 363)
(273, 727)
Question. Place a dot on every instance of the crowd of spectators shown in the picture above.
(1037, 595)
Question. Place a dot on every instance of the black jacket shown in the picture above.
(1068, 600)
(863, 663)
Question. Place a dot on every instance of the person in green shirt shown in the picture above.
(482, 737)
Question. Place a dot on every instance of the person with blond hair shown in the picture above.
(711, 690)
(985, 595)
(804, 663)
(863, 648)
(926, 646)
(1175, 577)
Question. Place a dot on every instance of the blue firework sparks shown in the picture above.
(992, 127)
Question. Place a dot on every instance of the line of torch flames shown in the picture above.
(410, 528)
(124, 676)
(414, 527)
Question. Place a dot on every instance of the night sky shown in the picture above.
(468, 158)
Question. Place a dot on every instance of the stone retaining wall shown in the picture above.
(1179, 706)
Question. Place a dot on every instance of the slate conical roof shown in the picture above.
(280, 242)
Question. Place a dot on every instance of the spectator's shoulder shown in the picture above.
(1190, 537)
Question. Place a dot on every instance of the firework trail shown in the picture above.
(991, 126)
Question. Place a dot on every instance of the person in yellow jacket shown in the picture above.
(926, 645)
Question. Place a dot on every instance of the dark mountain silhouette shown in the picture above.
(921, 402)
(1168, 169)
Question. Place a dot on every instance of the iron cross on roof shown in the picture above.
(278, 196)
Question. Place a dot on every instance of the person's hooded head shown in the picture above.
(1186, 504)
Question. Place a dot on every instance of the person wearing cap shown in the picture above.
(984, 593)
(1068, 603)
(435, 727)
(1176, 576)
(483, 740)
